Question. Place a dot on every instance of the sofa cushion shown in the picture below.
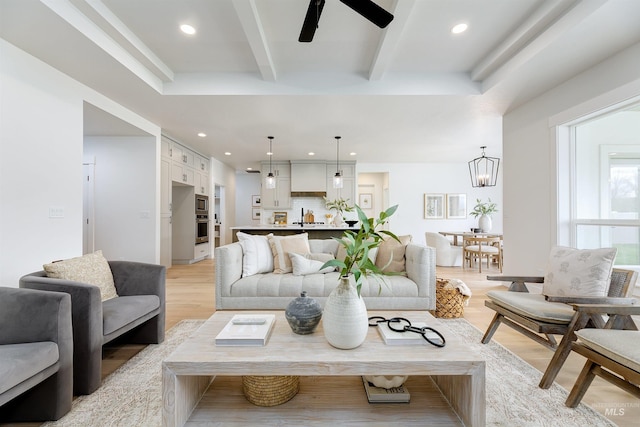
(310, 263)
(92, 269)
(282, 245)
(256, 254)
(390, 257)
(121, 311)
(19, 362)
(575, 272)
(319, 285)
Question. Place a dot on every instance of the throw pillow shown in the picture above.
(390, 258)
(579, 272)
(309, 264)
(256, 254)
(282, 245)
(92, 269)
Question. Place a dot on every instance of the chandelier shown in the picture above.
(484, 170)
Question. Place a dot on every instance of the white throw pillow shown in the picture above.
(92, 269)
(309, 263)
(579, 272)
(256, 254)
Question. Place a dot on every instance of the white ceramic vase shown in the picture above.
(338, 220)
(344, 318)
(484, 223)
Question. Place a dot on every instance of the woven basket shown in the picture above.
(449, 301)
(270, 390)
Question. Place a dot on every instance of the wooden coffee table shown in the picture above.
(447, 385)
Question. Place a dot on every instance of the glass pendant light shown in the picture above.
(337, 178)
(270, 180)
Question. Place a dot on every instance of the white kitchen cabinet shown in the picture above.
(348, 190)
(279, 197)
(308, 176)
(201, 182)
(182, 155)
(201, 251)
(202, 164)
(183, 174)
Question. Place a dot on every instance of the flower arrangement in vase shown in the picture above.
(340, 205)
(484, 210)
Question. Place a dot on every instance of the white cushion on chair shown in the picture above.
(533, 306)
(579, 272)
(621, 346)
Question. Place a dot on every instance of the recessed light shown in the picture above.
(460, 28)
(353, 153)
(269, 153)
(311, 153)
(226, 153)
(202, 134)
(249, 169)
(187, 29)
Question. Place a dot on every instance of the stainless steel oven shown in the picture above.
(202, 228)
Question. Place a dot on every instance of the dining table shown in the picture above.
(463, 234)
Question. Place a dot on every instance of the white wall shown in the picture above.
(126, 216)
(225, 177)
(41, 138)
(248, 184)
(408, 182)
(529, 146)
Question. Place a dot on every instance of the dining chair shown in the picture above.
(542, 316)
(479, 247)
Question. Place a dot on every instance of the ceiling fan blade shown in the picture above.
(311, 20)
(371, 11)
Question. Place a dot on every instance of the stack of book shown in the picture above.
(386, 395)
(404, 338)
(247, 330)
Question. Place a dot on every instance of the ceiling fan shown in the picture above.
(366, 8)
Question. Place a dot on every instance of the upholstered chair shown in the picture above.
(36, 355)
(138, 310)
(447, 255)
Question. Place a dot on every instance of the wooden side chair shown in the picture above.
(612, 354)
(478, 247)
(540, 316)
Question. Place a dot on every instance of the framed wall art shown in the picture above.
(456, 206)
(255, 201)
(434, 206)
(365, 201)
(255, 213)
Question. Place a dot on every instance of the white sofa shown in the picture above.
(270, 291)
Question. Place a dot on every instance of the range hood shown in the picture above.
(308, 179)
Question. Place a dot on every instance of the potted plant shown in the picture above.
(345, 321)
(340, 205)
(484, 210)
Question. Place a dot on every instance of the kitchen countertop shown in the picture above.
(293, 227)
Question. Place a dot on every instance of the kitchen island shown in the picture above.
(315, 231)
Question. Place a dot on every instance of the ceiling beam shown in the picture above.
(390, 39)
(81, 22)
(253, 29)
(542, 28)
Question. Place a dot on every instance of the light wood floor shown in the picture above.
(190, 295)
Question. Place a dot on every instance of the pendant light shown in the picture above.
(484, 170)
(270, 180)
(337, 178)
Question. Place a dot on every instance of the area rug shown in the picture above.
(131, 396)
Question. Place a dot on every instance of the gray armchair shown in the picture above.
(139, 311)
(36, 355)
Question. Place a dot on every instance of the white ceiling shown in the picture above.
(412, 92)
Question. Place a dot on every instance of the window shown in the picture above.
(606, 190)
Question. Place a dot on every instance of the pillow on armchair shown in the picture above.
(92, 269)
(579, 272)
